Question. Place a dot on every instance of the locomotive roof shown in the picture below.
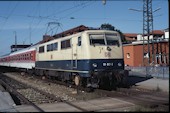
(86, 31)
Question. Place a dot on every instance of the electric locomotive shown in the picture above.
(91, 58)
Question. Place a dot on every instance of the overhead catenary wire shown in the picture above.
(11, 12)
(68, 9)
(31, 28)
(6, 19)
(75, 11)
(47, 17)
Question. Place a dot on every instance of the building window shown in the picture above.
(128, 55)
(146, 55)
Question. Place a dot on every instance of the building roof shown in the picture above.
(157, 32)
(130, 34)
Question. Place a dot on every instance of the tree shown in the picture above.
(110, 27)
(107, 27)
(122, 36)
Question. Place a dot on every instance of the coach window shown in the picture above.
(79, 41)
(29, 56)
(65, 44)
(41, 49)
(55, 46)
(25, 56)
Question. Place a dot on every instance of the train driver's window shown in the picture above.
(97, 39)
(112, 39)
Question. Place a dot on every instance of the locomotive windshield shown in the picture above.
(104, 39)
(97, 40)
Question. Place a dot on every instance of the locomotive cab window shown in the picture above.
(97, 39)
(104, 39)
(112, 40)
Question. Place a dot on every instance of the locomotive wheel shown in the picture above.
(77, 80)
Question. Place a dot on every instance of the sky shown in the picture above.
(28, 21)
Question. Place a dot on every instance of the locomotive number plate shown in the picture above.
(107, 64)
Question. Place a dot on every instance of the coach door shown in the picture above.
(74, 53)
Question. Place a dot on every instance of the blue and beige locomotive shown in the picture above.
(91, 58)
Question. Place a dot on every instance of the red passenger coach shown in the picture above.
(24, 58)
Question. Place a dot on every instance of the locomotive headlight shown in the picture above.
(94, 65)
(119, 64)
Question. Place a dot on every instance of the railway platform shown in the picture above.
(6, 102)
(155, 84)
(151, 83)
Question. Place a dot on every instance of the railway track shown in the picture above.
(149, 99)
(19, 96)
(143, 97)
(29, 95)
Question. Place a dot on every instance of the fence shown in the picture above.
(154, 71)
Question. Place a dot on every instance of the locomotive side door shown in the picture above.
(74, 53)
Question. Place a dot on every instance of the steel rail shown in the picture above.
(11, 90)
(51, 96)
